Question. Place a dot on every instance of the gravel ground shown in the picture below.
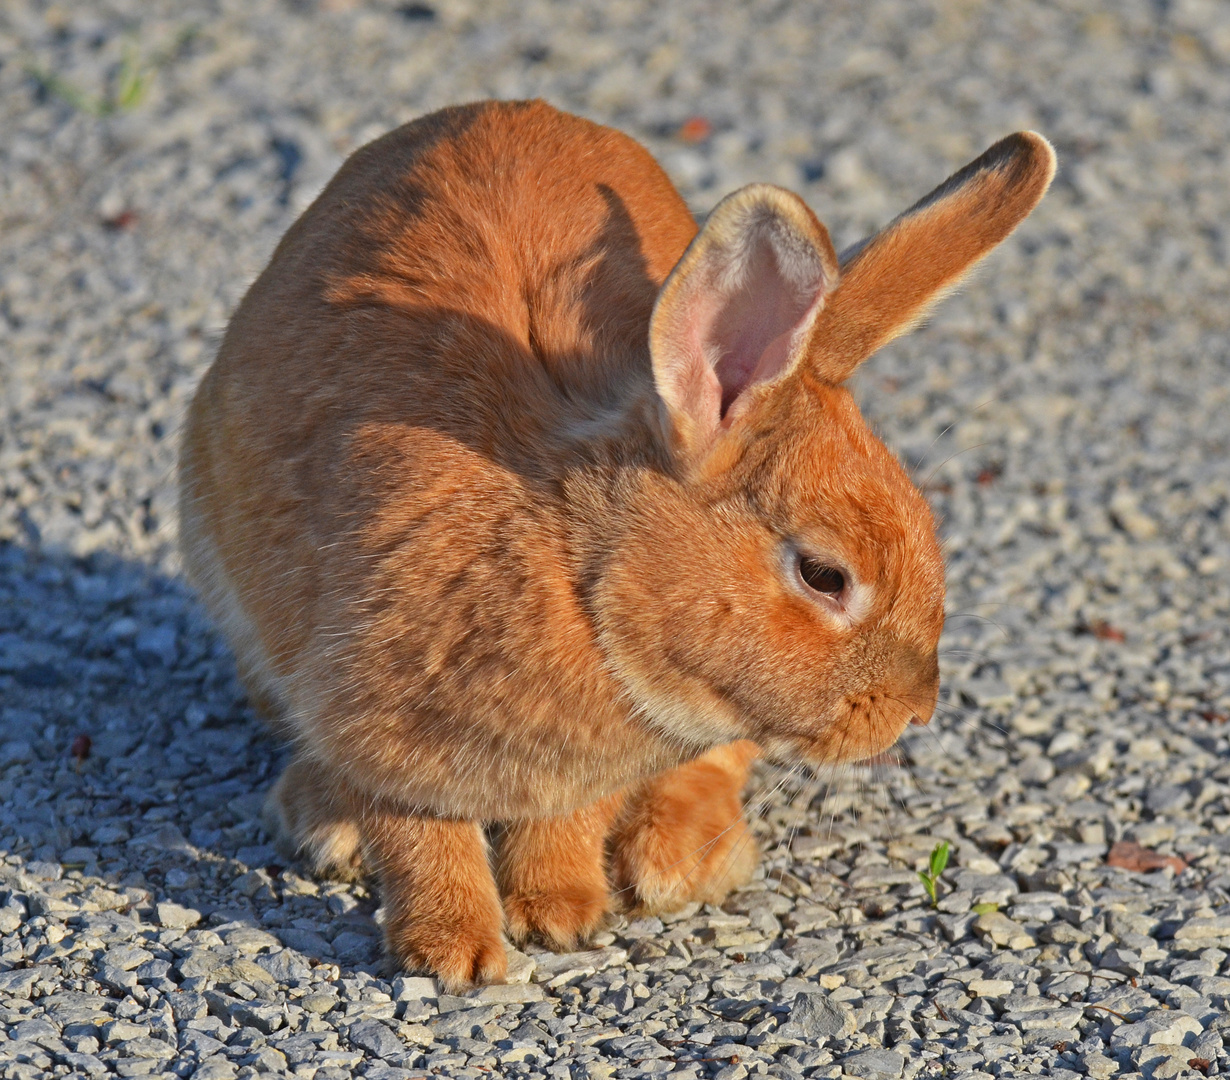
(1067, 414)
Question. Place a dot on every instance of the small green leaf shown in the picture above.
(984, 909)
(131, 82)
(939, 858)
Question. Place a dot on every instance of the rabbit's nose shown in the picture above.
(917, 683)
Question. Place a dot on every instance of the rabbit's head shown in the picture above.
(780, 579)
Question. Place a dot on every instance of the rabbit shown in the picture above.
(534, 515)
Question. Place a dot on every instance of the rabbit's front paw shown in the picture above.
(552, 876)
(464, 950)
(683, 836)
(561, 920)
(442, 910)
(663, 868)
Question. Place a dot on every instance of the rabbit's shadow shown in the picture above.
(130, 760)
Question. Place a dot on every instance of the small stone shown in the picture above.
(552, 966)
(1098, 1066)
(1198, 932)
(16, 752)
(1167, 797)
(1163, 1061)
(375, 1038)
(510, 993)
(1125, 961)
(157, 644)
(1063, 933)
(319, 1004)
(127, 957)
(249, 940)
(84, 1063)
(1161, 1026)
(110, 834)
(956, 927)
(265, 1018)
(407, 987)
(956, 903)
(355, 947)
(637, 1048)
(1043, 1019)
(116, 978)
(986, 888)
(34, 1030)
(175, 916)
(19, 983)
(198, 961)
(307, 942)
(166, 839)
(990, 988)
(463, 1022)
(1003, 931)
(875, 1065)
(144, 1047)
(255, 884)
(521, 967)
(121, 1030)
(268, 1059)
(186, 1006)
(815, 1016)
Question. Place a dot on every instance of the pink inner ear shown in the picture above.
(748, 332)
(736, 311)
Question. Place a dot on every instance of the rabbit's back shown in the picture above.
(370, 499)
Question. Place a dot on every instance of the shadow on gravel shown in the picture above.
(132, 772)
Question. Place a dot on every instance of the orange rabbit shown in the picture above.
(530, 512)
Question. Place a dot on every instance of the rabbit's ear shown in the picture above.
(738, 308)
(889, 280)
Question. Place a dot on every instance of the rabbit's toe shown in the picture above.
(465, 955)
(683, 836)
(663, 869)
(561, 920)
(552, 875)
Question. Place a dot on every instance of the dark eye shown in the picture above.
(820, 576)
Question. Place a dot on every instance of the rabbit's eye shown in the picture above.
(820, 576)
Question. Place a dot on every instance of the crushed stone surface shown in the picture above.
(1068, 414)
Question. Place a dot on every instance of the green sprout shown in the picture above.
(931, 876)
(131, 83)
(124, 91)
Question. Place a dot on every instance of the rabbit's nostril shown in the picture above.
(918, 721)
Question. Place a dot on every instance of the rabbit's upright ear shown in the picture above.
(737, 310)
(889, 280)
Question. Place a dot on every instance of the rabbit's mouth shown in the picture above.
(862, 730)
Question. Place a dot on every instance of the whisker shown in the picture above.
(947, 429)
(930, 476)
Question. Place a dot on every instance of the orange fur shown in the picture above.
(552, 877)
(502, 501)
(442, 910)
(311, 816)
(682, 836)
(889, 281)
